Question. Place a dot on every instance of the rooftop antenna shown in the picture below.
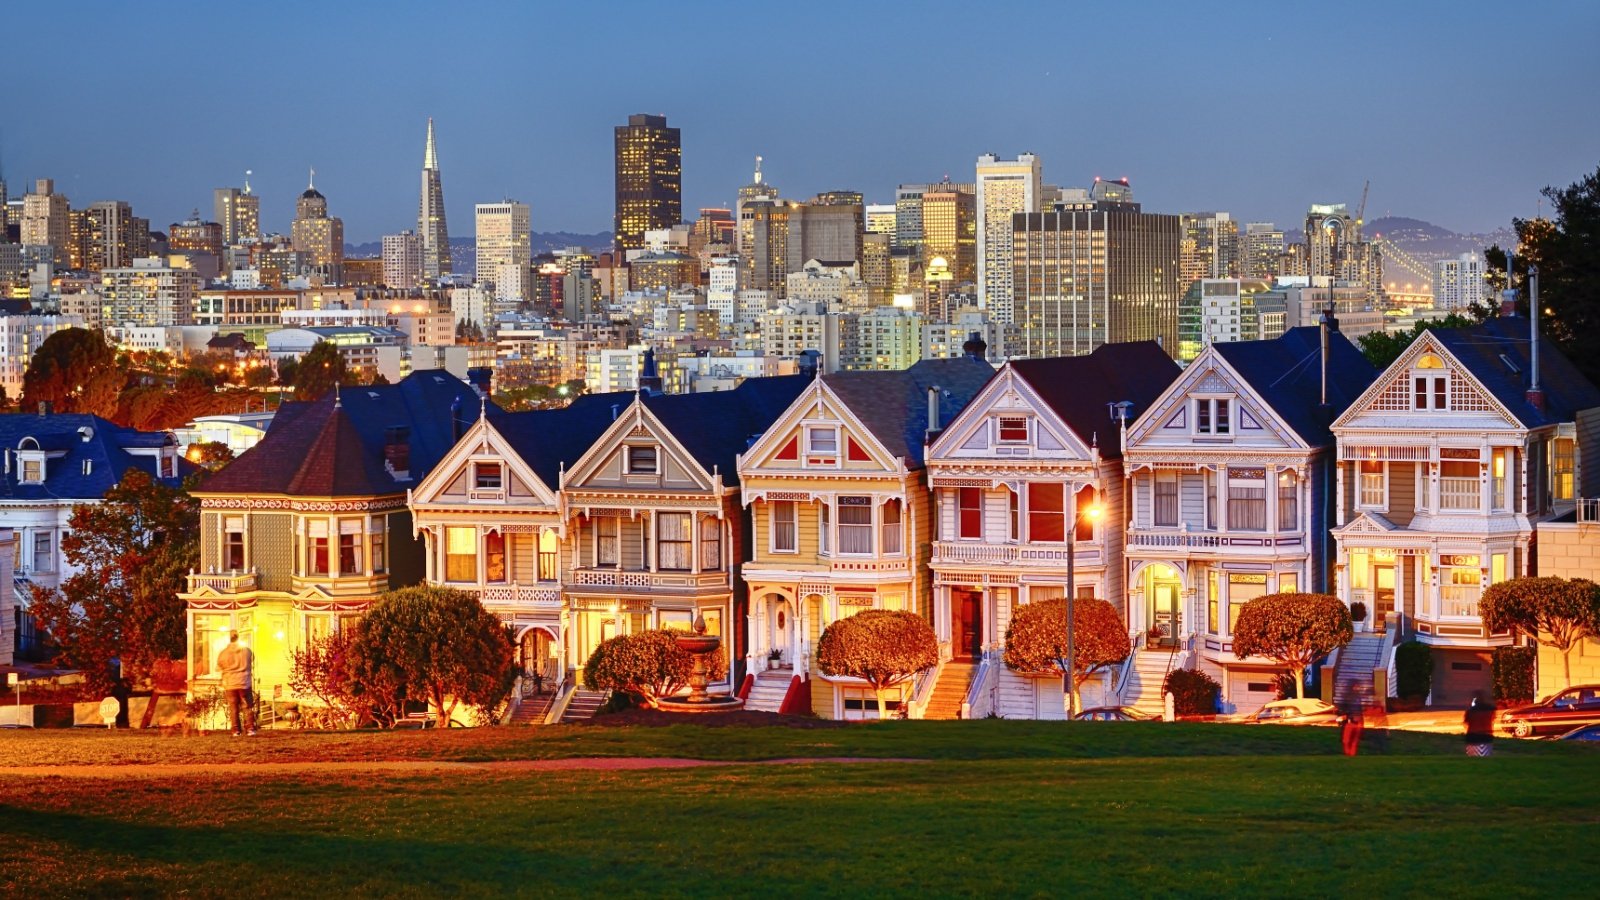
(312, 184)
(758, 169)
(247, 174)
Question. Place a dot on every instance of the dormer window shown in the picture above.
(642, 460)
(823, 441)
(486, 476)
(1213, 416)
(32, 470)
(1430, 383)
(1013, 429)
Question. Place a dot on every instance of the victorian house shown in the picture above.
(1028, 473)
(1446, 463)
(839, 508)
(1229, 473)
(303, 531)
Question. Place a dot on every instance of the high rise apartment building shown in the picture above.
(195, 236)
(149, 292)
(113, 236)
(45, 215)
(764, 235)
(316, 234)
(908, 217)
(880, 218)
(1004, 188)
(828, 228)
(432, 233)
(757, 189)
(402, 260)
(1263, 248)
(950, 228)
(649, 179)
(503, 235)
(1095, 273)
(1460, 283)
(238, 212)
(1336, 250)
(1210, 247)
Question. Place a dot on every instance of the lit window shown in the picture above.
(350, 561)
(1047, 512)
(460, 554)
(317, 547)
(33, 471)
(1374, 487)
(1288, 501)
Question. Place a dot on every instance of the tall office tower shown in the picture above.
(1005, 188)
(1460, 283)
(316, 234)
(1210, 247)
(45, 215)
(875, 271)
(828, 229)
(5, 211)
(1094, 273)
(908, 217)
(194, 235)
(649, 179)
(1263, 244)
(764, 261)
(502, 237)
(950, 228)
(880, 218)
(715, 226)
(238, 212)
(402, 260)
(112, 239)
(755, 190)
(1335, 249)
(431, 231)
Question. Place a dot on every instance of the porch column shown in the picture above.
(1270, 483)
(1338, 491)
(483, 555)
(648, 520)
(1222, 499)
(694, 542)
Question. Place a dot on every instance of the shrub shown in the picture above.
(1036, 639)
(882, 647)
(1194, 693)
(647, 663)
(1413, 664)
(1555, 612)
(1292, 630)
(1513, 673)
(1358, 611)
(321, 670)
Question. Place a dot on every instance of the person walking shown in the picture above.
(237, 665)
(1350, 726)
(1480, 727)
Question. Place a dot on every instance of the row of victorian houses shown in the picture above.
(950, 489)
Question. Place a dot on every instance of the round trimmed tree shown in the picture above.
(883, 647)
(1556, 612)
(647, 663)
(1036, 639)
(1293, 630)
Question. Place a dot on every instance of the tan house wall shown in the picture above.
(1569, 550)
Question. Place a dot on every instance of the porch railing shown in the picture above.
(979, 702)
(223, 582)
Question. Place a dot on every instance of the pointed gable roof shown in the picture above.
(1484, 349)
(716, 427)
(549, 439)
(1286, 373)
(1077, 388)
(79, 438)
(894, 405)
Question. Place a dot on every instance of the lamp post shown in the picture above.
(1068, 690)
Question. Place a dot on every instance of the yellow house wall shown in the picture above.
(1569, 550)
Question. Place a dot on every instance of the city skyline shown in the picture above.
(1251, 152)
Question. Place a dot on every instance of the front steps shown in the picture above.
(583, 706)
(1146, 679)
(1356, 662)
(951, 691)
(769, 689)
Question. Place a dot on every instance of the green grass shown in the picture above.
(1005, 809)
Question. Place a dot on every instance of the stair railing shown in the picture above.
(1127, 666)
(922, 690)
(979, 702)
(563, 691)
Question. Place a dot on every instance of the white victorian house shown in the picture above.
(1014, 478)
(1445, 464)
(1229, 472)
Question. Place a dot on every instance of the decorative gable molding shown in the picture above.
(482, 440)
(781, 448)
(1254, 419)
(1391, 395)
(635, 423)
(971, 436)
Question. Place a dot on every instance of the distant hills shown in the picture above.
(1425, 240)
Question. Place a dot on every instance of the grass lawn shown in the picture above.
(1004, 808)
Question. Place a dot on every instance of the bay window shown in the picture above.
(380, 543)
(317, 547)
(891, 527)
(607, 540)
(710, 544)
(1242, 588)
(785, 526)
(549, 548)
(1166, 498)
(494, 557)
(350, 561)
(233, 543)
(674, 541)
(1288, 501)
(1247, 500)
(1013, 515)
(1085, 523)
(855, 525)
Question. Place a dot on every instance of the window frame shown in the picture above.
(1217, 412)
(1038, 515)
(963, 510)
(233, 544)
(1010, 423)
(633, 458)
(783, 513)
(894, 529)
(681, 546)
(710, 544)
(471, 533)
(601, 539)
(1156, 482)
(1383, 480)
(353, 550)
(488, 469)
(855, 504)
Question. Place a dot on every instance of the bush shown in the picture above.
(1292, 630)
(882, 647)
(647, 663)
(1194, 693)
(1358, 611)
(1286, 686)
(1413, 664)
(1513, 674)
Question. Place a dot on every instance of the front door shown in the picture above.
(1382, 595)
(781, 626)
(966, 626)
(1164, 614)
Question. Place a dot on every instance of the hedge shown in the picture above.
(1513, 673)
(1194, 693)
(1413, 664)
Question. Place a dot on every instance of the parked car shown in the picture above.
(1582, 733)
(1112, 714)
(1307, 711)
(1563, 711)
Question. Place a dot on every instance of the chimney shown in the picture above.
(810, 363)
(1535, 392)
(649, 375)
(933, 411)
(1329, 323)
(976, 347)
(1508, 297)
(482, 379)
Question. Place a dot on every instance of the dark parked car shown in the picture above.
(1582, 733)
(1112, 714)
(1564, 711)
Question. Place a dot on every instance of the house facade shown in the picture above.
(1445, 465)
(837, 496)
(1029, 472)
(1228, 473)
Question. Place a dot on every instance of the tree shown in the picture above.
(469, 332)
(1568, 256)
(1555, 612)
(318, 371)
(1382, 348)
(133, 551)
(647, 663)
(1036, 639)
(321, 669)
(438, 644)
(74, 370)
(210, 455)
(1292, 630)
(883, 647)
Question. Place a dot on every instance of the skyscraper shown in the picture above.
(649, 179)
(316, 234)
(402, 260)
(1263, 244)
(949, 228)
(1210, 247)
(44, 219)
(1005, 188)
(1094, 273)
(113, 239)
(238, 212)
(431, 231)
(1460, 283)
(503, 239)
(755, 190)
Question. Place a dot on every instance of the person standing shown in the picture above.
(1480, 727)
(237, 665)
(1350, 727)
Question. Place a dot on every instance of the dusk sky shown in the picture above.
(1458, 112)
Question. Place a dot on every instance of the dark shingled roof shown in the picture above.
(334, 447)
(894, 405)
(1079, 387)
(1287, 373)
(106, 451)
(549, 439)
(716, 427)
(1480, 348)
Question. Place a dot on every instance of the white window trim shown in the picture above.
(1359, 475)
(627, 459)
(1211, 400)
(825, 459)
(872, 526)
(1027, 430)
(772, 528)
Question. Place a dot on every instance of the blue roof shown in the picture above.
(1286, 373)
(1498, 353)
(77, 438)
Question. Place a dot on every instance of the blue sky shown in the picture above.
(1457, 112)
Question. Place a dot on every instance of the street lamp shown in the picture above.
(1069, 692)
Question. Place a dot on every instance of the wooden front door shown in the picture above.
(1382, 596)
(966, 632)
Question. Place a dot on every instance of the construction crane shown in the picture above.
(1361, 211)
